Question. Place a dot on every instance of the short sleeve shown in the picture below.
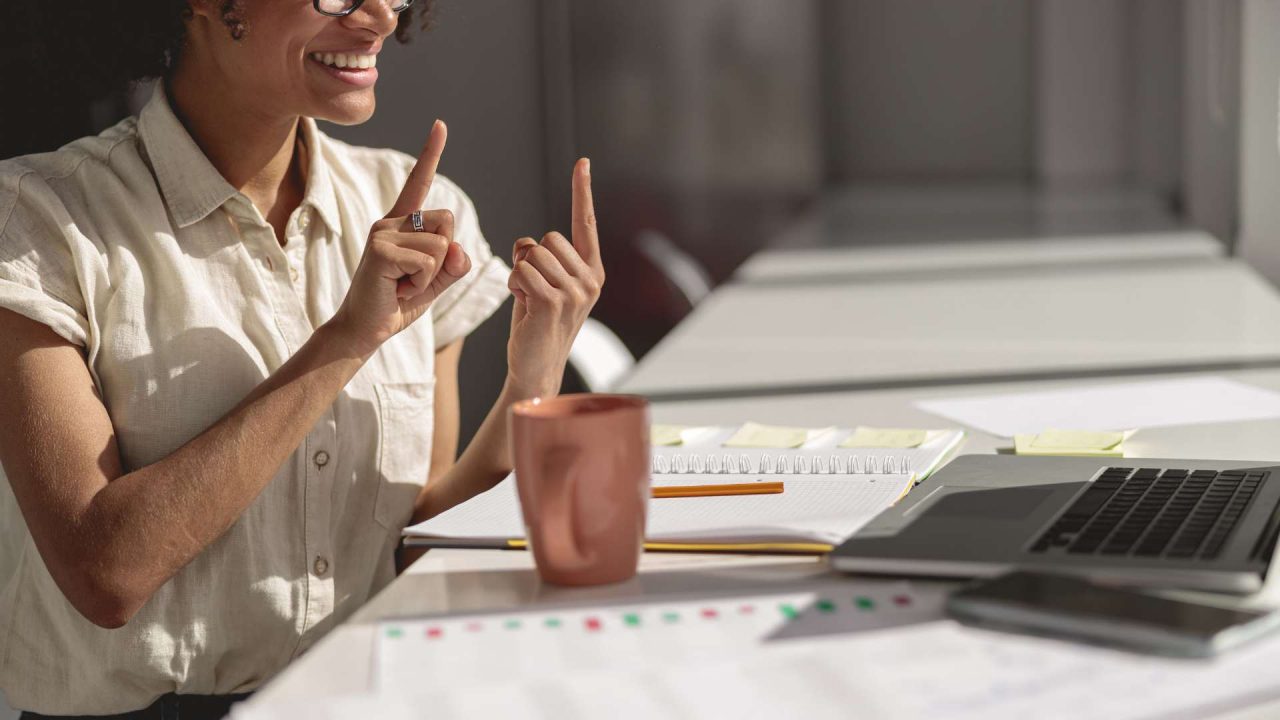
(37, 270)
(471, 300)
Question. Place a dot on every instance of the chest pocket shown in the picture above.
(405, 411)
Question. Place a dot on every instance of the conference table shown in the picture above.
(846, 353)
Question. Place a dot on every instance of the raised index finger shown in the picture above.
(586, 240)
(418, 184)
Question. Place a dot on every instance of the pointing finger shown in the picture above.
(418, 184)
(586, 240)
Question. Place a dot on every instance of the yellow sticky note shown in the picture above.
(869, 437)
(1071, 442)
(1081, 439)
(666, 435)
(752, 435)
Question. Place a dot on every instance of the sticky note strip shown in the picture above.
(1071, 442)
(1085, 439)
(869, 437)
(666, 435)
(753, 435)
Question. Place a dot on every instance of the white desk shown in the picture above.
(468, 580)
(985, 323)
(989, 324)
(907, 261)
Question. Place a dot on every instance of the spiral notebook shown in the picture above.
(820, 507)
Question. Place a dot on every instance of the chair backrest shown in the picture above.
(680, 268)
(599, 357)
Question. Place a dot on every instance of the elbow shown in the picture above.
(102, 596)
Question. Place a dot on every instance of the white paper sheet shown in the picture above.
(743, 665)
(1126, 406)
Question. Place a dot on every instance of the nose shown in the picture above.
(374, 15)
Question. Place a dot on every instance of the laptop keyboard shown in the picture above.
(1150, 513)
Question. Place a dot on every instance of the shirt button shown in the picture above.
(321, 458)
(321, 565)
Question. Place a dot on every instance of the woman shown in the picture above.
(229, 374)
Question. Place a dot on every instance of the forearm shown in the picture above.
(146, 525)
(484, 463)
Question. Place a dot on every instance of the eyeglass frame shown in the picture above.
(355, 5)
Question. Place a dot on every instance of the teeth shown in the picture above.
(346, 60)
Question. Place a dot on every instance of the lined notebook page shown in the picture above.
(813, 509)
(703, 452)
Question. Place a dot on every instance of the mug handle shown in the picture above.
(560, 484)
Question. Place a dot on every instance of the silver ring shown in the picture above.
(415, 217)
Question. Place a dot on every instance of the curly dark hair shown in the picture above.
(93, 49)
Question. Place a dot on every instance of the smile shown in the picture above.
(346, 60)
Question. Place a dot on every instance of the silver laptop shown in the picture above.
(1206, 525)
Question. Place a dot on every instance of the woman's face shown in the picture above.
(295, 61)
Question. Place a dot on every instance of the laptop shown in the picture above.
(1186, 524)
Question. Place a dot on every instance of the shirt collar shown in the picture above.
(193, 187)
(319, 192)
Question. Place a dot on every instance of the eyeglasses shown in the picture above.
(341, 8)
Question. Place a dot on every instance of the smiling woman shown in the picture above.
(229, 370)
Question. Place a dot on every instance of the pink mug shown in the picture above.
(582, 472)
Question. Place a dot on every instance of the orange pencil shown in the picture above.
(677, 491)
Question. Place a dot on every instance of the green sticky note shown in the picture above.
(553, 622)
(513, 624)
(1071, 442)
(789, 611)
(671, 617)
(753, 435)
(666, 435)
(394, 632)
(826, 606)
(869, 437)
(864, 603)
(631, 619)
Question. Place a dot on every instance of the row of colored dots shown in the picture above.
(631, 619)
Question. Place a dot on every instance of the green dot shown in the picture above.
(671, 617)
(553, 622)
(631, 619)
(513, 624)
(394, 632)
(864, 603)
(826, 606)
(789, 611)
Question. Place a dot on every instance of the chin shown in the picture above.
(347, 110)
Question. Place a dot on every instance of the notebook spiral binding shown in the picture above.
(736, 464)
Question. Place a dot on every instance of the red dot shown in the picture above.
(902, 600)
(747, 609)
(709, 613)
(434, 632)
(593, 624)
(474, 626)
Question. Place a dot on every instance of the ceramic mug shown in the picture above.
(582, 473)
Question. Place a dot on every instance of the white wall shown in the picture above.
(1259, 239)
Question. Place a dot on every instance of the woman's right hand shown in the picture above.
(402, 271)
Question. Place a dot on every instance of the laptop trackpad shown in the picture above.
(997, 504)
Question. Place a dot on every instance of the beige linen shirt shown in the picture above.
(131, 245)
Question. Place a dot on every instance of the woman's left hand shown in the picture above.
(556, 283)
